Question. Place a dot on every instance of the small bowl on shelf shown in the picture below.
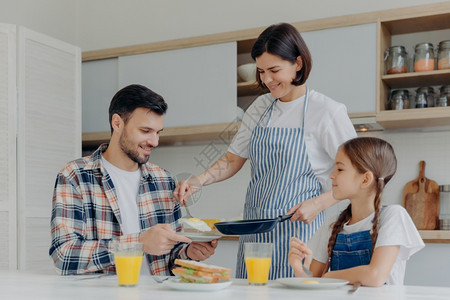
(247, 72)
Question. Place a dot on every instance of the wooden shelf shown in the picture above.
(435, 236)
(419, 79)
(415, 117)
(173, 135)
(427, 21)
(414, 21)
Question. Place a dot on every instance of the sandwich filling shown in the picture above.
(197, 272)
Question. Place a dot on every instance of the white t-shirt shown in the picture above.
(395, 229)
(127, 188)
(327, 126)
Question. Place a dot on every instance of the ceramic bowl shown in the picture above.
(247, 72)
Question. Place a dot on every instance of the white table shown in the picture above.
(27, 285)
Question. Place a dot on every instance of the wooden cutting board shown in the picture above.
(421, 200)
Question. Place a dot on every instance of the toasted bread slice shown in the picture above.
(192, 264)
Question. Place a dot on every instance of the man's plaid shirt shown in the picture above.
(86, 217)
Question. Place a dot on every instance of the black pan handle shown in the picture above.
(284, 218)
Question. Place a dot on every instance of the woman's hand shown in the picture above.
(308, 210)
(299, 253)
(305, 211)
(186, 188)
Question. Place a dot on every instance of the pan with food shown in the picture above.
(249, 226)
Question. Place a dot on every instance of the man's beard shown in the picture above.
(132, 154)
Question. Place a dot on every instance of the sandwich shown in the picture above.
(197, 272)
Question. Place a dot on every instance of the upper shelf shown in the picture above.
(174, 135)
(417, 79)
(428, 20)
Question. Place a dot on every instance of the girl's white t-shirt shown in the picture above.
(395, 229)
(327, 126)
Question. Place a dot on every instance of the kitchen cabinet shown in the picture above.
(431, 26)
(41, 87)
(198, 80)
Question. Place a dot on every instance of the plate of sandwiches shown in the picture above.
(197, 276)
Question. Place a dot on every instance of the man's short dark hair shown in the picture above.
(134, 96)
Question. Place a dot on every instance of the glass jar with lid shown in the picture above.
(399, 99)
(395, 60)
(429, 95)
(444, 55)
(421, 100)
(424, 57)
(444, 96)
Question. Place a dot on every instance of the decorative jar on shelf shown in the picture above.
(423, 57)
(398, 100)
(395, 60)
(444, 96)
(444, 55)
(429, 96)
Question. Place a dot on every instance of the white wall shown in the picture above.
(56, 18)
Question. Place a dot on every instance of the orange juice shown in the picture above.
(128, 269)
(258, 269)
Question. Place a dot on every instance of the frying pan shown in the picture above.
(249, 226)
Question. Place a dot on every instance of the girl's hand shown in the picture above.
(299, 252)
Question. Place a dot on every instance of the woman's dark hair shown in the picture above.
(134, 96)
(367, 154)
(285, 41)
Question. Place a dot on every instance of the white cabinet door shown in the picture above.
(8, 120)
(49, 135)
(198, 83)
(344, 65)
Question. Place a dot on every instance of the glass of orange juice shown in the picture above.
(128, 259)
(258, 257)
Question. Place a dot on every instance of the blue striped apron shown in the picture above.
(281, 177)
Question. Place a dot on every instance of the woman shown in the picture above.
(290, 136)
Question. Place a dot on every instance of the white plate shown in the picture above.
(176, 284)
(200, 237)
(324, 283)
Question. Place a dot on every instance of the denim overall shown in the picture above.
(351, 250)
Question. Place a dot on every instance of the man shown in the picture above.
(116, 194)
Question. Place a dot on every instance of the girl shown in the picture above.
(290, 137)
(368, 243)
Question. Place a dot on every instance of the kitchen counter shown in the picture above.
(29, 285)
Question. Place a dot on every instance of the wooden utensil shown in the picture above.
(421, 200)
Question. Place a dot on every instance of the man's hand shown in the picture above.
(305, 211)
(201, 250)
(160, 239)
